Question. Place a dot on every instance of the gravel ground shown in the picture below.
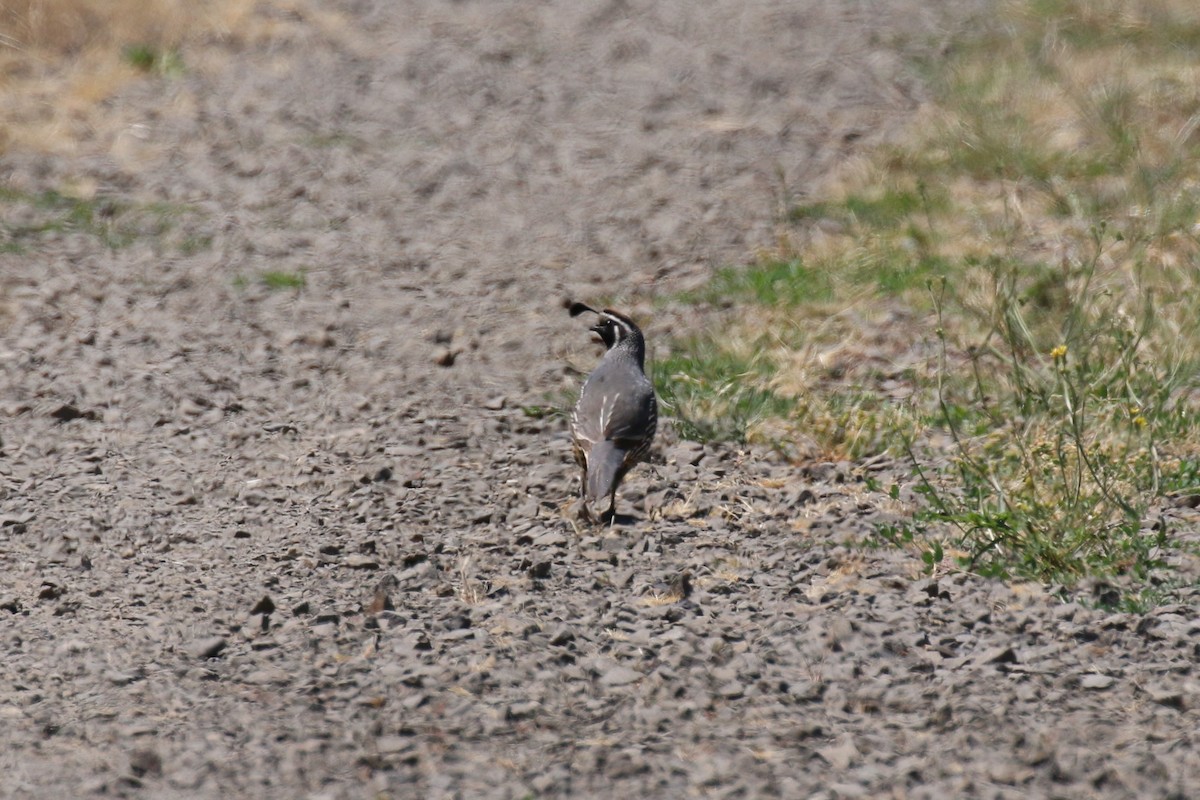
(308, 542)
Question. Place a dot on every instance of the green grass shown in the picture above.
(147, 58)
(715, 395)
(1037, 233)
(275, 280)
(882, 209)
(115, 223)
(770, 282)
(1102, 25)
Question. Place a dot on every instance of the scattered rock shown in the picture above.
(145, 763)
(67, 413)
(620, 676)
(1166, 696)
(562, 636)
(122, 677)
(841, 755)
(210, 647)
(1001, 654)
(1094, 681)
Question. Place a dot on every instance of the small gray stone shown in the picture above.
(562, 636)
(185, 778)
(687, 452)
(620, 676)
(263, 677)
(551, 538)
(393, 745)
(144, 762)
(841, 755)
(732, 690)
(209, 647)
(122, 677)
(1096, 681)
(1166, 696)
(997, 655)
(522, 710)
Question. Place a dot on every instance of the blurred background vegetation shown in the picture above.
(1006, 299)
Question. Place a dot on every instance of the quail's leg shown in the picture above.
(610, 516)
(581, 506)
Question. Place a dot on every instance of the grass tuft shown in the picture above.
(714, 394)
(275, 279)
(771, 282)
(61, 60)
(115, 223)
(148, 58)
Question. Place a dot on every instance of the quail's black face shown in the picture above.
(613, 328)
(609, 332)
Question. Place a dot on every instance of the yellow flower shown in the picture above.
(1059, 352)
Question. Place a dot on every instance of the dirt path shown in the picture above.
(257, 543)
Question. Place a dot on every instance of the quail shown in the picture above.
(614, 420)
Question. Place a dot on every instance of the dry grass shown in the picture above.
(61, 60)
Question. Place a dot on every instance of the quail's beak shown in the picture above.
(597, 329)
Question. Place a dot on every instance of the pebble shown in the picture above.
(1094, 681)
(144, 762)
(360, 561)
(620, 676)
(209, 647)
(1166, 696)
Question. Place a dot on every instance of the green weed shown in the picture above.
(115, 223)
(276, 279)
(166, 62)
(884, 208)
(714, 394)
(771, 282)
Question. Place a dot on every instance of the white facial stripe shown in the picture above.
(620, 327)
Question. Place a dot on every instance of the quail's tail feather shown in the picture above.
(603, 464)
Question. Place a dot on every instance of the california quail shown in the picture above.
(614, 421)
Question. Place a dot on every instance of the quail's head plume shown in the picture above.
(614, 421)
